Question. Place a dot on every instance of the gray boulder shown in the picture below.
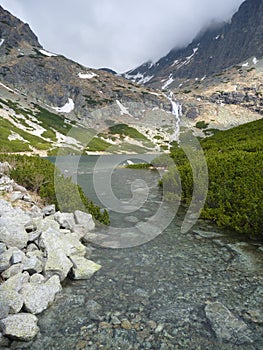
(20, 327)
(12, 231)
(71, 245)
(33, 263)
(15, 283)
(13, 299)
(19, 188)
(6, 184)
(6, 258)
(83, 268)
(39, 296)
(17, 257)
(57, 260)
(12, 270)
(65, 220)
(3, 248)
(13, 236)
(225, 325)
(16, 195)
(5, 207)
(37, 278)
(84, 219)
(46, 223)
(80, 230)
(49, 210)
(4, 309)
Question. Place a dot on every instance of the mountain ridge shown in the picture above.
(212, 51)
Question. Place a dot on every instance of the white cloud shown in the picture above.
(118, 34)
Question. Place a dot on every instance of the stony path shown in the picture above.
(180, 291)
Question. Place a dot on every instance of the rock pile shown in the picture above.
(39, 248)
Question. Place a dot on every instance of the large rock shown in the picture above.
(4, 309)
(33, 263)
(12, 299)
(65, 220)
(10, 256)
(17, 257)
(5, 207)
(15, 282)
(12, 271)
(13, 236)
(225, 325)
(84, 219)
(72, 245)
(83, 268)
(49, 210)
(57, 260)
(46, 223)
(39, 296)
(3, 248)
(21, 327)
(12, 231)
(6, 184)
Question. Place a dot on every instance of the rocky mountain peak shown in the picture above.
(14, 34)
(213, 50)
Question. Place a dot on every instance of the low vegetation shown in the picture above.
(235, 196)
(38, 174)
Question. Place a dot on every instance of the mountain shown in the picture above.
(49, 102)
(215, 49)
(56, 81)
(44, 95)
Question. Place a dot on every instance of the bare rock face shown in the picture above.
(22, 326)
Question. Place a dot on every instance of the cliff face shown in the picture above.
(212, 51)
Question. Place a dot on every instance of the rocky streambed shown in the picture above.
(200, 290)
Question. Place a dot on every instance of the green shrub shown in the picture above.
(38, 174)
(235, 194)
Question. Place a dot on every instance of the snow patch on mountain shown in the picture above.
(1, 42)
(87, 75)
(168, 82)
(139, 78)
(255, 61)
(67, 108)
(123, 109)
(46, 53)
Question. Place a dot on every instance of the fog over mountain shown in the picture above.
(118, 34)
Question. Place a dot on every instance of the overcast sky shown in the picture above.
(119, 34)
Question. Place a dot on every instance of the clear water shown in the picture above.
(165, 282)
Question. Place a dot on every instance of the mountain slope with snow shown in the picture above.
(212, 51)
